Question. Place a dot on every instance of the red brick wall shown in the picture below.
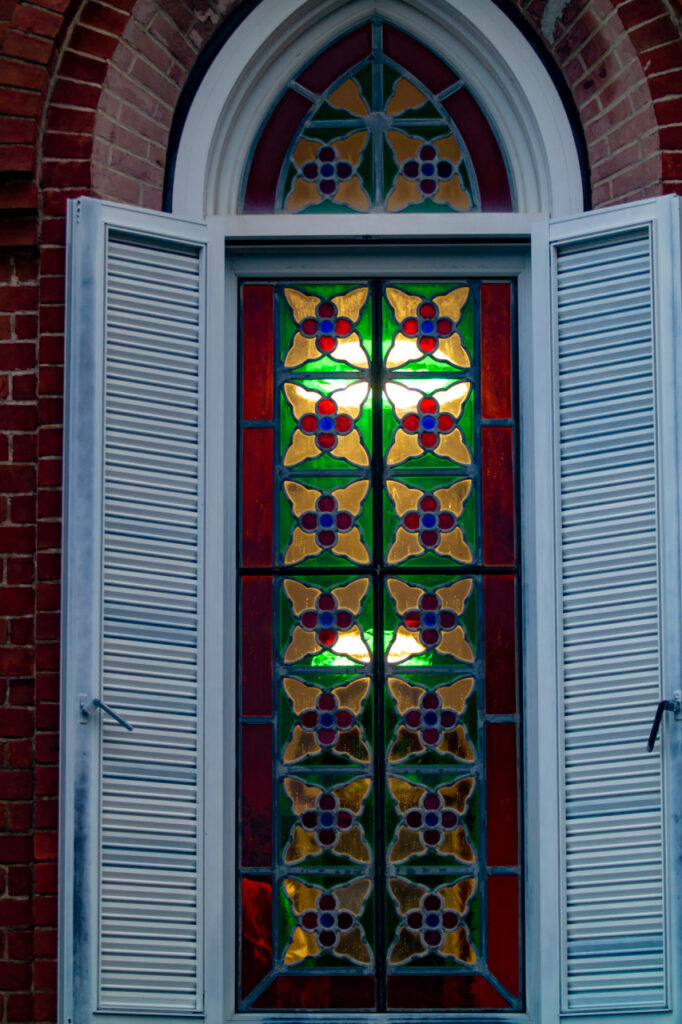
(87, 94)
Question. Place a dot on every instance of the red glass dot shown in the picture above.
(309, 620)
(428, 503)
(309, 719)
(326, 702)
(448, 719)
(309, 326)
(445, 326)
(345, 920)
(344, 619)
(429, 602)
(431, 802)
(326, 343)
(446, 520)
(326, 939)
(343, 424)
(326, 407)
(429, 538)
(427, 344)
(446, 422)
(343, 326)
(309, 920)
(432, 836)
(412, 620)
(429, 440)
(450, 920)
(326, 737)
(413, 819)
(327, 637)
(433, 938)
(327, 901)
(427, 310)
(428, 405)
(326, 503)
(411, 423)
(413, 719)
(430, 701)
(326, 441)
(433, 901)
(309, 521)
(430, 737)
(448, 819)
(344, 719)
(308, 423)
(309, 819)
(410, 327)
(414, 920)
(411, 521)
(430, 637)
(327, 836)
(326, 603)
(344, 819)
(447, 619)
(327, 538)
(325, 310)
(344, 521)
(326, 801)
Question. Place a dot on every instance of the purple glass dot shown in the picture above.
(310, 170)
(327, 188)
(427, 152)
(428, 186)
(448, 719)
(444, 169)
(448, 819)
(432, 938)
(327, 153)
(410, 169)
(326, 802)
(327, 939)
(343, 170)
(413, 819)
(428, 170)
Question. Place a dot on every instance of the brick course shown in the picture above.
(87, 94)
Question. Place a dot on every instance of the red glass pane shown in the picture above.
(256, 952)
(421, 61)
(256, 653)
(326, 992)
(501, 801)
(485, 153)
(257, 353)
(496, 394)
(256, 804)
(257, 460)
(504, 930)
(340, 57)
(500, 645)
(409, 992)
(272, 146)
(497, 479)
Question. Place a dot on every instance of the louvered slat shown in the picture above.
(614, 929)
(149, 955)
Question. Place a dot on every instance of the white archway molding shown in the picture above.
(483, 46)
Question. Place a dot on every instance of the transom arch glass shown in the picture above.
(377, 122)
(379, 838)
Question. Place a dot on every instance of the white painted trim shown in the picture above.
(280, 36)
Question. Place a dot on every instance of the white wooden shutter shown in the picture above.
(132, 906)
(614, 285)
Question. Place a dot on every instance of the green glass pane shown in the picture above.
(423, 927)
(389, 77)
(351, 944)
(316, 437)
(326, 522)
(326, 112)
(431, 621)
(326, 820)
(407, 301)
(432, 821)
(412, 739)
(436, 435)
(325, 327)
(427, 110)
(307, 740)
(325, 620)
(429, 521)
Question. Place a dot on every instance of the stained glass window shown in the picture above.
(377, 122)
(379, 838)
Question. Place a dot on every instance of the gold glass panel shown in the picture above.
(452, 303)
(352, 844)
(451, 350)
(452, 446)
(353, 695)
(349, 97)
(456, 897)
(351, 595)
(405, 545)
(350, 149)
(302, 897)
(349, 545)
(406, 894)
(406, 96)
(351, 744)
(456, 944)
(404, 595)
(303, 194)
(301, 351)
(455, 594)
(353, 895)
(406, 743)
(303, 545)
(405, 147)
(407, 844)
(352, 795)
(402, 303)
(405, 694)
(457, 795)
(302, 644)
(452, 399)
(456, 743)
(302, 597)
(404, 193)
(406, 946)
(300, 399)
(301, 304)
(301, 845)
(456, 844)
(301, 695)
(455, 695)
(350, 447)
(455, 643)
(302, 744)
(405, 794)
(405, 446)
(303, 797)
(302, 945)
(351, 643)
(352, 944)
(404, 399)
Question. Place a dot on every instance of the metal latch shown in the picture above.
(86, 706)
(674, 705)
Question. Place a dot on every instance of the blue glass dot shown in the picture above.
(430, 619)
(427, 327)
(326, 423)
(327, 170)
(327, 619)
(433, 920)
(431, 819)
(326, 720)
(430, 718)
(326, 326)
(428, 422)
(327, 520)
(427, 170)
(428, 520)
(327, 920)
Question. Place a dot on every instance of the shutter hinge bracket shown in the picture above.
(86, 706)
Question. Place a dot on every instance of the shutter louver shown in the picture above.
(149, 956)
(613, 837)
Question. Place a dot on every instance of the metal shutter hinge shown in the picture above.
(87, 705)
(674, 705)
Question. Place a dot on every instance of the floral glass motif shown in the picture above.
(371, 723)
